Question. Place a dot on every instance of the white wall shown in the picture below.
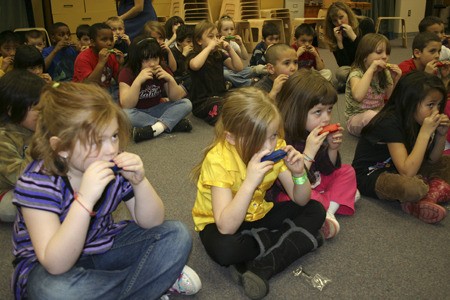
(417, 8)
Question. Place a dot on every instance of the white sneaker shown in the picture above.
(188, 283)
(330, 227)
(357, 195)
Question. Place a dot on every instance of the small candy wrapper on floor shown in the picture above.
(317, 281)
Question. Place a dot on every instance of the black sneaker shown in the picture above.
(183, 126)
(143, 134)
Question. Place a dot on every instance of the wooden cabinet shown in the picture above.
(77, 12)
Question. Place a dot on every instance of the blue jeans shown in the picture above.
(142, 264)
(238, 79)
(169, 113)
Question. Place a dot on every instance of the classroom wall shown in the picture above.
(412, 11)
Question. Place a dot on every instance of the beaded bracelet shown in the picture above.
(300, 180)
(307, 158)
(76, 198)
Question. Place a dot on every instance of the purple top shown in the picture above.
(36, 190)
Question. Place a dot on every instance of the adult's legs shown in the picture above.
(142, 264)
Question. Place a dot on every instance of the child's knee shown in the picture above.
(391, 186)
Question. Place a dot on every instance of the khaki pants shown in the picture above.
(391, 186)
(7, 209)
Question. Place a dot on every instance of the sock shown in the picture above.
(159, 128)
(333, 207)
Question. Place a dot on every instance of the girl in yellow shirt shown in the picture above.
(237, 227)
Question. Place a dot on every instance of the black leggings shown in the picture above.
(230, 249)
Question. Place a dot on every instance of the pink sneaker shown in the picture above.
(426, 211)
(330, 227)
(188, 283)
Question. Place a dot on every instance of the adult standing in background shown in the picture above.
(135, 13)
(343, 31)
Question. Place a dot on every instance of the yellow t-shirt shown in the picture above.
(223, 167)
(9, 68)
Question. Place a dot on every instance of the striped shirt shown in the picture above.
(36, 190)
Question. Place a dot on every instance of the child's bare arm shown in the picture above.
(173, 90)
(235, 62)
(146, 208)
(197, 62)
(229, 212)
(59, 245)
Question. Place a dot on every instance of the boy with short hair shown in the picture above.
(308, 55)
(84, 41)
(60, 58)
(100, 63)
(271, 35)
(121, 40)
(436, 25)
(35, 38)
(8, 44)
(426, 50)
(281, 63)
(181, 49)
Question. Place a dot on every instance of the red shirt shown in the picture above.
(306, 60)
(87, 61)
(407, 66)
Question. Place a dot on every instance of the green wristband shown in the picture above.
(300, 180)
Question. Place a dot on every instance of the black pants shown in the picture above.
(230, 249)
(208, 109)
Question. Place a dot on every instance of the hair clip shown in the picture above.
(56, 84)
(146, 39)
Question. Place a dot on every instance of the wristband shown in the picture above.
(300, 180)
(307, 158)
(76, 198)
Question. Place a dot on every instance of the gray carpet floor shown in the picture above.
(380, 253)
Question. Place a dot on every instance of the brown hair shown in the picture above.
(274, 52)
(71, 112)
(367, 45)
(301, 92)
(154, 26)
(246, 114)
(329, 26)
(201, 28)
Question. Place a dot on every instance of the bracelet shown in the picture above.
(300, 180)
(307, 158)
(91, 213)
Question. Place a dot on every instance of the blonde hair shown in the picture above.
(329, 26)
(222, 19)
(72, 112)
(246, 114)
(114, 19)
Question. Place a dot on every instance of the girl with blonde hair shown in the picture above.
(237, 226)
(65, 240)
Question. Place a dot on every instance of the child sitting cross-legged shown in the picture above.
(66, 242)
(142, 83)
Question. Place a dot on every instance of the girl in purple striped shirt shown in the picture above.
(66, 242)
